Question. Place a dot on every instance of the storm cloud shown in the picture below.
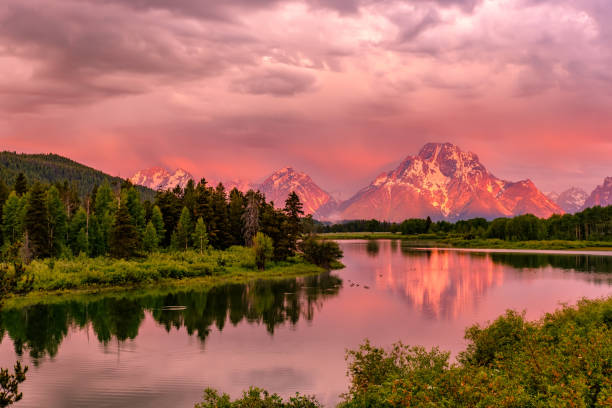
(262, 84)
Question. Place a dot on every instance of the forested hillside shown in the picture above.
(51, 168)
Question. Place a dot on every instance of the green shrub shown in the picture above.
(322, 253)
(563, 360)
(255, 398)
(264, 250)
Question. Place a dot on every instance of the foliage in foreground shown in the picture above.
(563, 360)
(9, 383)
(255, 398)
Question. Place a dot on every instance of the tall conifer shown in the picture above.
(56, 219)
(36, 222)
(125, 238)
(21, 185)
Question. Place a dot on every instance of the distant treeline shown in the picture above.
(594, 224)
(52, 169)
(52, 220)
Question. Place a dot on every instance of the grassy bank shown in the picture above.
(86, 275)
(434, 240)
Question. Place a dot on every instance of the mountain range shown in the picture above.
(276, 187)
(571, 200)
(441, 181)
(158, 178)
(602, 195)
(444, 183)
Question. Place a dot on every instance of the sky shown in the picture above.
(339, 89)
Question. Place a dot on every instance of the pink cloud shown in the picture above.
(340, 89)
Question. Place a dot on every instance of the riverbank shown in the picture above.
(434, 240)
(83, 275)
(160, 288)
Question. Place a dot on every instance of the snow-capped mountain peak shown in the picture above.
(281, 183)
(159, 178)
(571, 200)
(444, 182)
(602, 195)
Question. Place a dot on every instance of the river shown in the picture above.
(162, 348)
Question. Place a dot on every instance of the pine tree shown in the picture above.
(105, 207)
(125, 238)
(272, 224)
(93, 197)
(428, 223)
(21, 185)
(158, 222)
(203, 207)
(182, 234)
(36, 222)
(150, 240)
(70, 196)
(148, 210)
(56, 219)
(236, 210)
(189, 197)
(220, 237)
(4, 194)
(293, 224)
(12, 218)
(200, 237)
(170, 206)
(77, 232)
(97, 246)
(130, 198)
(104, 200)
(82, 242)
(250, 218)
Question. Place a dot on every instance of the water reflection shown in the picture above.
(135, 350)
(39, 330)
(440, 284)
(373, 248)
(445, 284)
(578, 263)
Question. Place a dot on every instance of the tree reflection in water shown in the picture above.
(40, 329)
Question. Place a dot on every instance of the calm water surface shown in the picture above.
(132, 350)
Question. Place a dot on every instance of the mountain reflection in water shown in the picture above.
(445, 284)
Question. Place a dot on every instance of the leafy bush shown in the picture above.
(563, 360)
(320, 252)
(255, 398)
(264, 250)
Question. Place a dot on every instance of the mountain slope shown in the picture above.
(281, 183)
(602, 195)
(444, 182)
(571, 200)
(240, 185)
(158, 178)
(276, 187)
(52, 168)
